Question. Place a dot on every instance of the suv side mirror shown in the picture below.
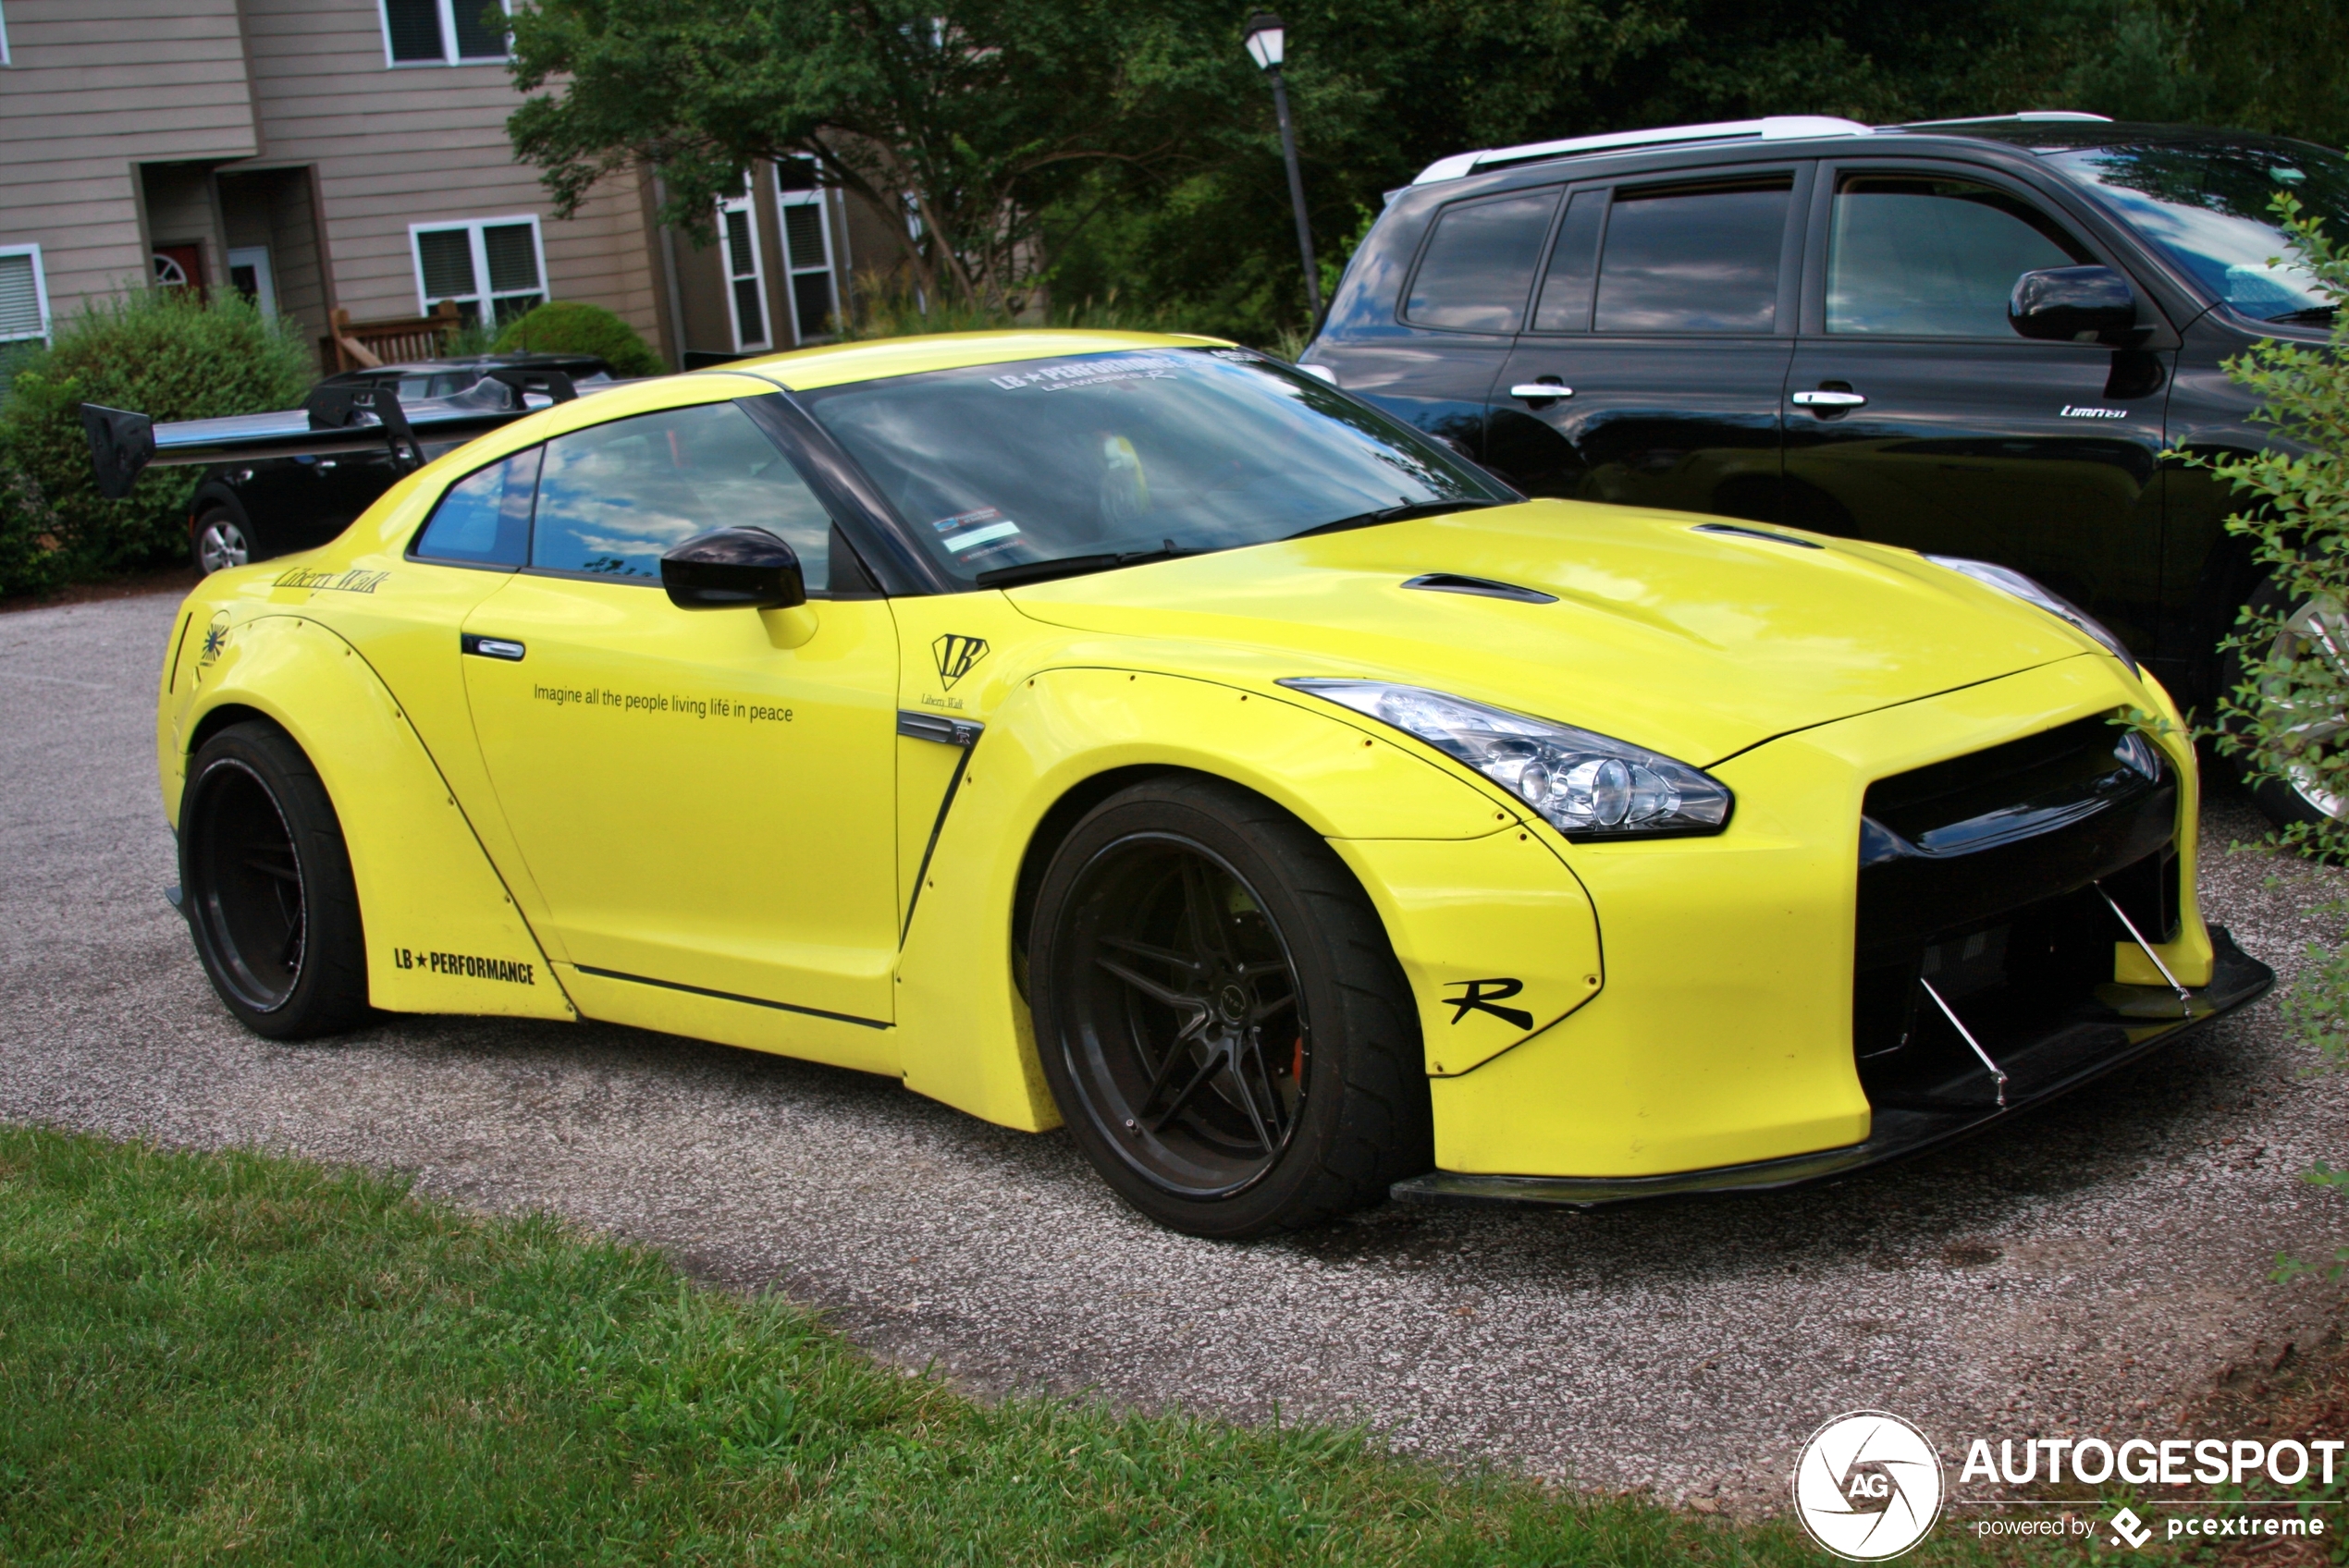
(731, 568)
(2073, 305)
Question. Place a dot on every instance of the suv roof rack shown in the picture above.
(2058, 115)
(1777, 127)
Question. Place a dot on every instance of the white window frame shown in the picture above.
(40, 287)
(819, 196)
(481, 290)
(745, 204)
(447, 39)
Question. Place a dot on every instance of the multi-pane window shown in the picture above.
(24, 297)
(444, 33)
(807, 247)
(492, 268)
(745, 279)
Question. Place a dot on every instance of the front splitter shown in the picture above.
(2235, 978)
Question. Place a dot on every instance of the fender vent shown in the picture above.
(1453, 582)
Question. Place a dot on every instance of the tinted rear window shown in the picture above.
(1479, 266)
(1693, 258)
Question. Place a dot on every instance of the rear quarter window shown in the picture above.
(1478, 267)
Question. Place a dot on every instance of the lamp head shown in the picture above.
(1264, 41)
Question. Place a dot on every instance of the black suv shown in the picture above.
(1972, 337)
(249, 511)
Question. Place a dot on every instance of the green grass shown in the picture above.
(228, 1358)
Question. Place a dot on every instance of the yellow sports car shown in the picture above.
(1137, 732)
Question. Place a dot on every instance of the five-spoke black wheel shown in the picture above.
(267, 887)
(1220, 1015)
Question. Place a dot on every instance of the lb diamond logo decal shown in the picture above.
(1867, 1485)
(955, 655)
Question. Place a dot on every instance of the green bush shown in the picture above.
(567, 326)
(2284, 720)
(158, 352)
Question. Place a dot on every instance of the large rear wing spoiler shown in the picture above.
(334, 418)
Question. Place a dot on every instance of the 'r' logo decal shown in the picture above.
(1483, 993)
(955, 655)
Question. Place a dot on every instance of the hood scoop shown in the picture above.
(1484, 587)
(1741, 531)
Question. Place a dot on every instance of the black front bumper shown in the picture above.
(2075, 1051)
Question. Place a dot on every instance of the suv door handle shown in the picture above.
(1534, 389)
(1828, 399)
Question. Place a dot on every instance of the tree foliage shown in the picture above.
(572, 326)
(1096, 147)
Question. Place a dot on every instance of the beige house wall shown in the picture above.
(417, 144)
(95, 86)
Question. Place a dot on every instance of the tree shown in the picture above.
(959, 121)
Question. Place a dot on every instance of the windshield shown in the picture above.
(1162, 450)
(2208, 206)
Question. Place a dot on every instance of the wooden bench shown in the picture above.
(364, 345)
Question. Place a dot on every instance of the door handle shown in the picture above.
(491, 647)
(1828, 400)
(1530, 390)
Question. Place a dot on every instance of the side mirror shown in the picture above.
(2073, 305)
(733, 568)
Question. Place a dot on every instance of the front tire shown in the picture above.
(2310, 627)
(1221, 1017)
(267, 887)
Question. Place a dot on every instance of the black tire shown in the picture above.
(2285, 803)
(1164, 1039)
(221, 538)
(267, 890)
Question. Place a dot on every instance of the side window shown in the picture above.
(613, 496)
(1574, 265)
(1694, 258)
(1926, 257)
(484, 519)
(1478, 266)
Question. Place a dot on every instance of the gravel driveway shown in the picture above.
(2084, 1267)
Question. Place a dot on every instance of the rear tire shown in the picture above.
(1221, 1016)
(2300, 800)
(220, 539)
(267, 887)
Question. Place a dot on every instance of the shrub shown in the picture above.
(567, 326)
(2285, 721)
(163, 353)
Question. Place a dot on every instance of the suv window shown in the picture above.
(484, 519)
(1479, 266)
(613, 496)
(1574, 264)
(1694, 258)
(1937, 258)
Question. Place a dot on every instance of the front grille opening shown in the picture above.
(1914, 803)
(2026, 984)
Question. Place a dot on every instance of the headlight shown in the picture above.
(2029, 592)
(1584, 785)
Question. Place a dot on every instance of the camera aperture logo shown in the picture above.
(1867, 1485)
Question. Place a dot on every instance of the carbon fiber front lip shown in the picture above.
(2236, 978)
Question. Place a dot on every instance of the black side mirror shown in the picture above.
(2073, 305)
(733, 568)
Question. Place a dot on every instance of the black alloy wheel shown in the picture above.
(267, 887)
(1221, 1017)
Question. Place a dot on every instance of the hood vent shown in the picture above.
(1484, 587)
(1742, 532)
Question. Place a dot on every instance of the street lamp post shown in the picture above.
(1265, 39)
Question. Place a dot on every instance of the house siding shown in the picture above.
(95, 87)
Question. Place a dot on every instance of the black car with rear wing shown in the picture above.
(262, 503)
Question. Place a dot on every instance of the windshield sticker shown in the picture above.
(967, 531)
(1093, 372)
